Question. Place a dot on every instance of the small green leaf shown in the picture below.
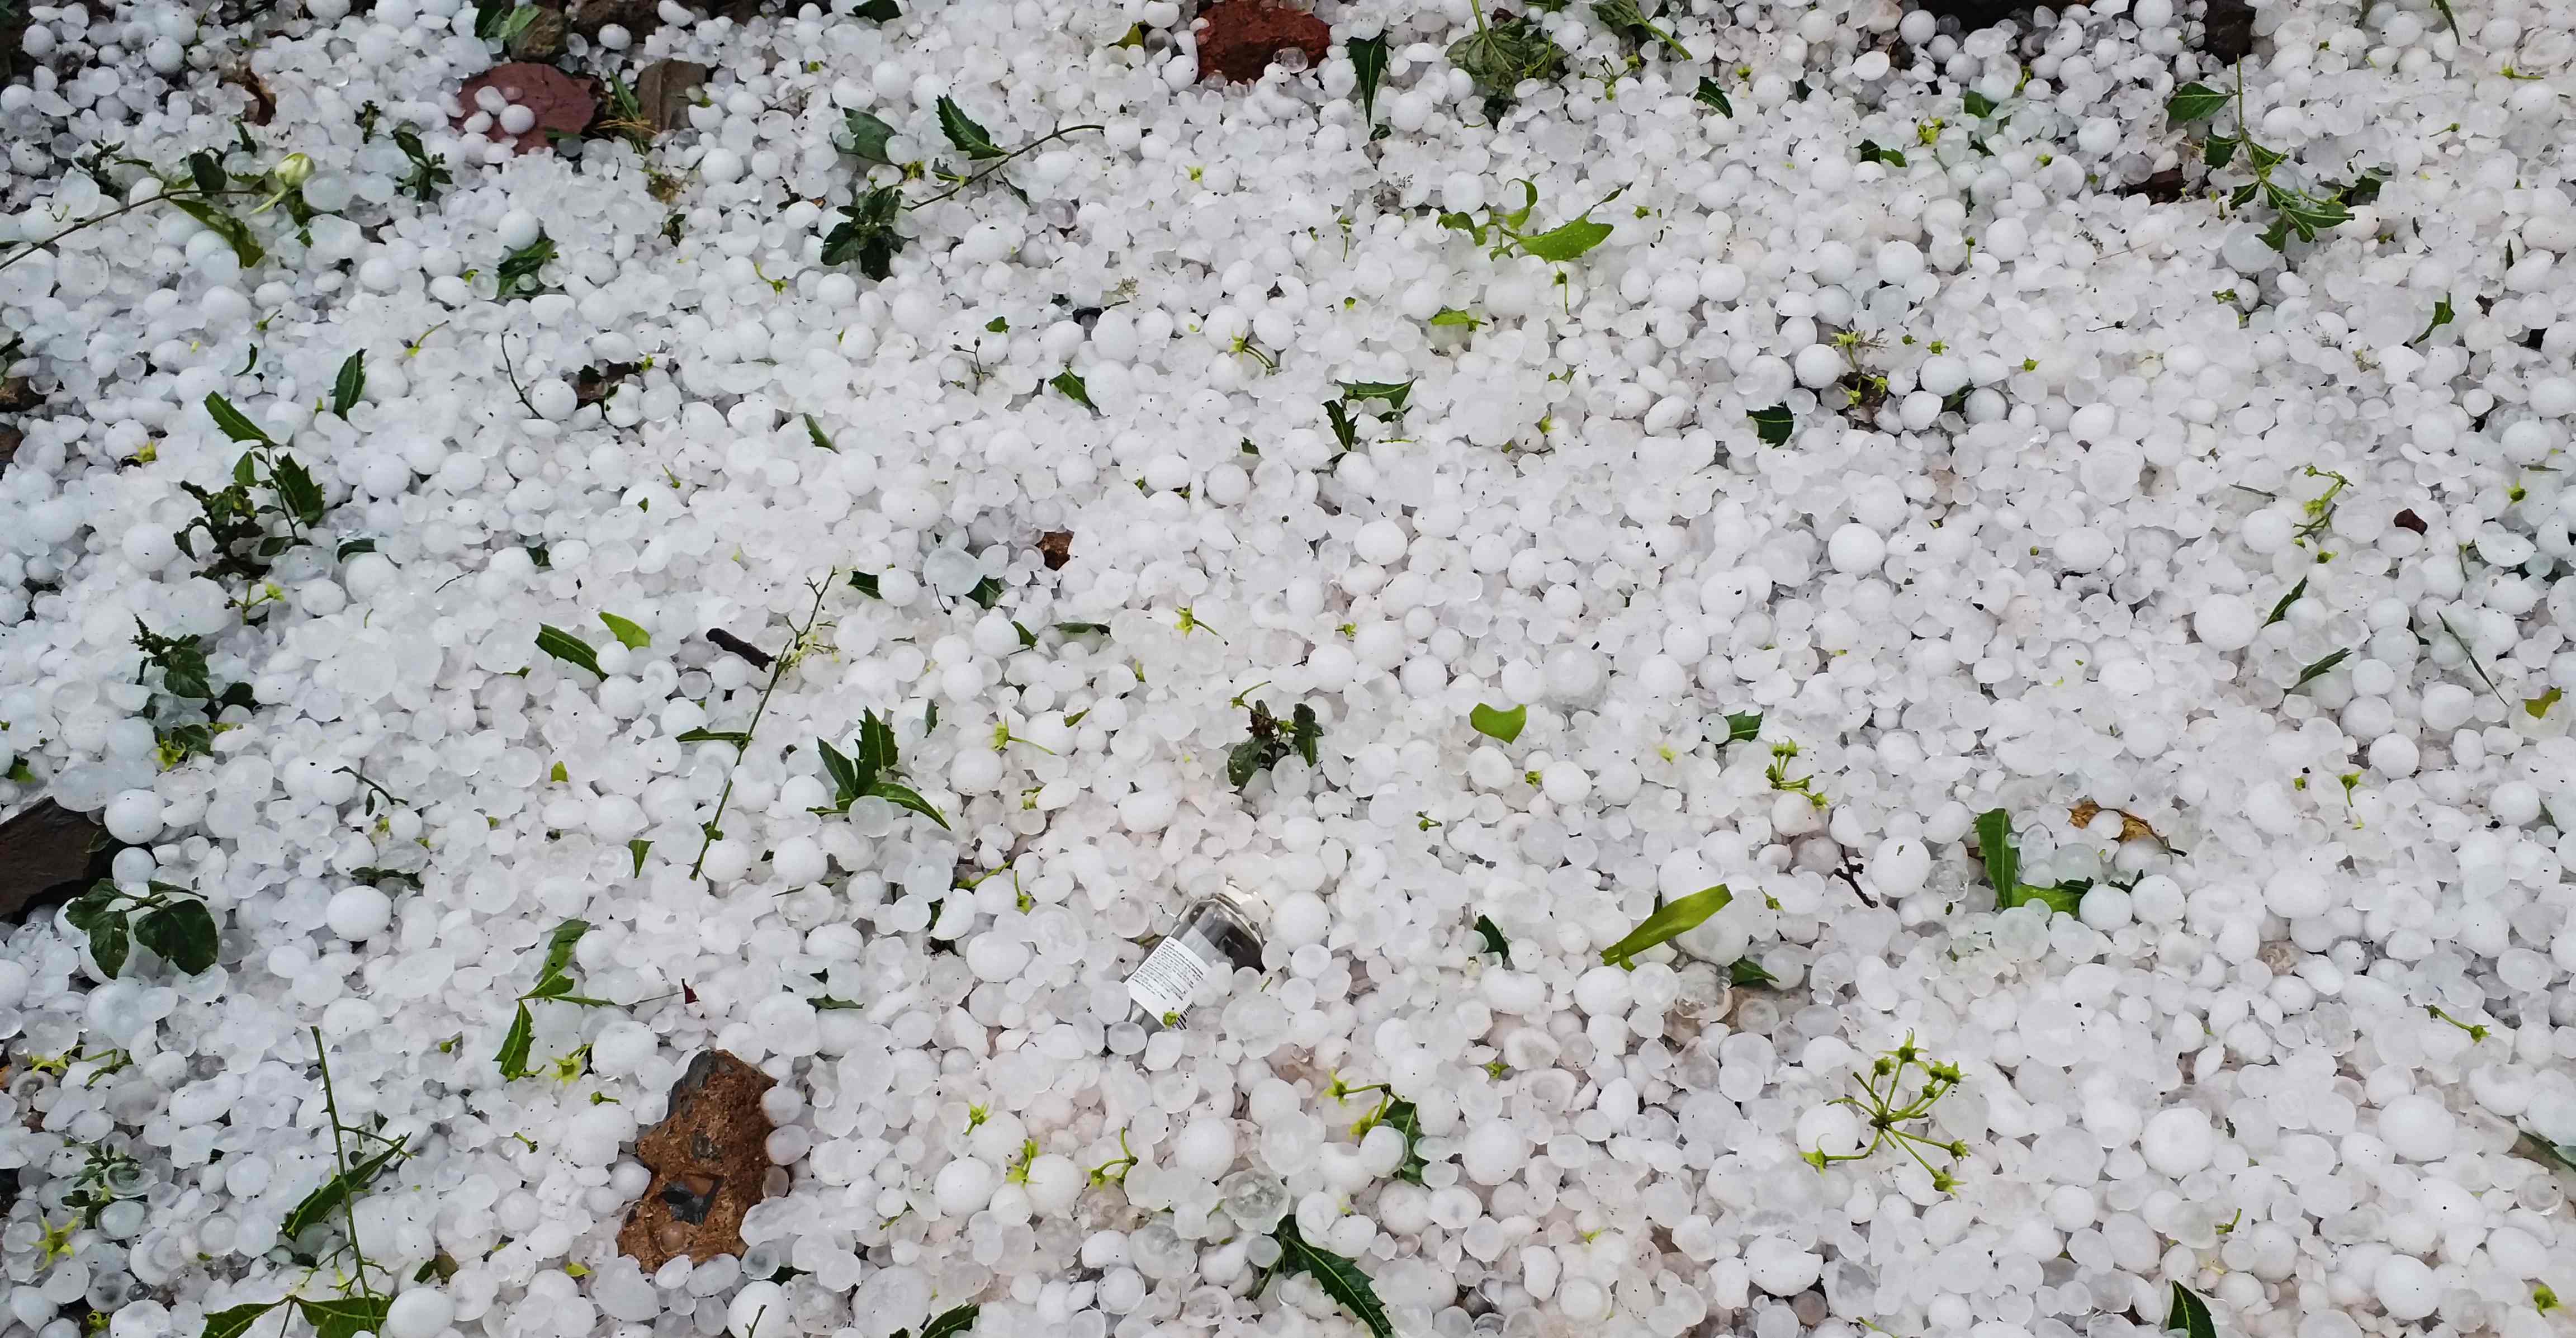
(1505, 52)
(519, 273)
(637, 849)
(235, 1321)
(235, 232)
(879, 11)
(2193, 102)
(1453, 316)
(568, 648)
(2219, 151)
(559, 946)
(904, 798)
(206, 172)
(2188, 1315)
(1495, 943)
(302, 496)
(1774, 424)
(1339, 1278)
(2282, 609)
(1746, 973)
(513, 1057)
(1714, 94)
(1978, 104)
(1394, 394)
(1368, 64)
(970, 138)
(345, 1316)
(2538, 707)
(559, 775)
(868, 136)
(2061, 898)
(183, 932)
(1405, 1118)
(1566, 241)
(349, 384)
(1870, 152)
(865, 584)
(951, 1322)
(319, 1205)
(998, 325)
(234, 423)
(737, 738)
(1499, 724)
(987, 592)
(1995, 845)
(2319, 669)
(1743, 726)
(1670, 921)
(2442, 315)
(1071, 387)
(1083, 629)
(631, 635)
(814, 434)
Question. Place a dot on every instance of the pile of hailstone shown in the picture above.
(1894, 410)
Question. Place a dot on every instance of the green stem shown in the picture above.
(777, 671)
(999, 163)
(31, 247)
(340, 1158)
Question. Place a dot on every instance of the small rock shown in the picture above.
(666, 90)
(637, 17)
(1055, 548)
(2227, 30)
(710, 1162)
(544, 38)
(1239, 38)
(563, 104)
(45, 850)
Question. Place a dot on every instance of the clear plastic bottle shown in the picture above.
(1216, 933)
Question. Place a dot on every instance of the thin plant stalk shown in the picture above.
(340, 1157)
(790, 654)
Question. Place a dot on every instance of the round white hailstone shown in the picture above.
(1856, 548)
(1148, 810)
(1565, 783)
(2417, 1127)
(2178, 1141)
(553, 400)
(963, 1188)
(727, 860)
(133, 817)
(721, 166)
(2083, 549)
(2152, 14)
(760, 1310)
(2104, 907)
(1900, 867)
(592, 1137)
(1204, 1149)
(2394, 755)
(2267, 530)
(2406, 1288)
(975, 771)
(2515, 803)
(421, 1312)
(2447, 706)
(359, 911)
(2295, 894)
(1899, 260)
(798, 859)
(2226, 622)
(517, 228)
(1379, 542)
(148, 547)
(2553, 397)
(1583, 1300)
(1521, 994)
(1780, 1267)
(1299, 919)
(1603, 991)
(993, 955)
(622, 1047)
(1054, 1183)
(1818, 366)
(1493, 1152)
(15, 977)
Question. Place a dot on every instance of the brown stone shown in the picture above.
(1239, 38)
(1055, 548)
(545, 37)
(709, 1157)
(45, 849)
(563, 104)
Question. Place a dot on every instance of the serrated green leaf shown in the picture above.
(629, 634)
(814, 434)
(1394, 394)
(1506, 52)
(1405, 1118)
(868, 136)
(987, 591)
(1495, 723)
(1339, 1278)
(350, 384)
(1368, 64)
(235, 232)
(971, 139)
(2189, 1315)
(1713, 94)
(236, 425)
(2219, 151)
(1495, 943)
(1669, 921)
(234, 1321)
(2193, 102)
(951, 1322)
(1773, 425)
(560, 945)
(295, 487)
(520, 273)
(109, 943)
(182, 932)
(902, 797)
(568, 648)
(1565, 241)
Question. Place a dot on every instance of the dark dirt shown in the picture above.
(709, 1158)
(46, 857)
(1239, 38)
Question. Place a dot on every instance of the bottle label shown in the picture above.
(1164, 985)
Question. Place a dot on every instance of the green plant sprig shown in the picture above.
(1884, 1107)
(713, 830)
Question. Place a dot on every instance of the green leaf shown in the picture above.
(2319, 669)
(2282, 609)
(2442, 315)
(206, 172)
(182, 931)
(814, 434)
(1743, 726)
(1339, 1278)
(868, 136)
(2538, 707)
(1498, 724)
(637, 849)
(1344, 430)
(865, 584)
(108, 944)
(235, 424)
(1083, 629)
(354, 547)
(519, 272)
(235, 232)
(513, 1058)
(319, 1205)
(866, 233)
(1995, 845)
(1368, 63)
(1565, 241)
(349, 384)
(235, 1321)
(2308, 215)
(1453, 316)
(1508, 51)
(2219, 151)
(1978, 104)
(1714, 94)
(1495, 943)
(970, 138)
(1774, 424)
(559, 946)
(345, 1316)
(1670, 921)
(736, 737)
(2558, 1156)
(631, 635)
(2062, 898)
(1071, 387)
(2189, 1315)
(998, 325)
(1624, 18)
(878, 755)
(847, 783)
(1394, 394)
(568, 648)
(2448, 17)
(2193, 102)
(1746, 973)
(1403, 1117)
(1870, 152)
(951, 1322)
(987, 592)
(901, 797)
(296, 488)
(879, 11)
